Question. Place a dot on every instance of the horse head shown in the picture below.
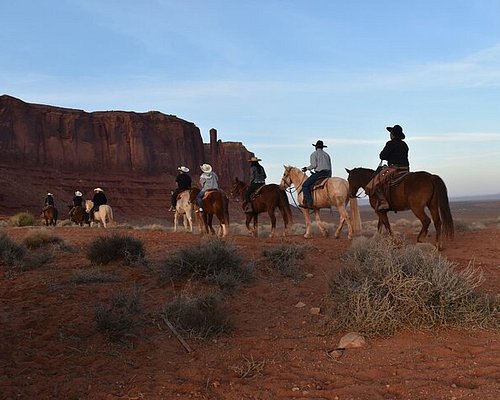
(238, 188)
(358, 178)
(292, 176)
(88, 205)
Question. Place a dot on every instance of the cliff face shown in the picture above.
(107, 146)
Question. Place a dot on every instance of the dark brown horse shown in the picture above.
(268, 198)
(416, 191)
(49, 214)
(215, 202)
(78, 215)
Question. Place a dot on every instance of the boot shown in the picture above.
(382, 203)
(172, 208)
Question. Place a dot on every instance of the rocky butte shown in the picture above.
(132, 156)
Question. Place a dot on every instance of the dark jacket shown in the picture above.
(49, 201)
(77, 201)
(183, 181)
(395, 152)
(99, 199)
(257, 173)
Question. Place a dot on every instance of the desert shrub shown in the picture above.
(106, 249)
(22, 219)
(285, 258)
(93, 275)
(120, 316)
(212, 260)
(385, 288)
(33, 260)
(200, 317)
(41, 238)
(10, 252)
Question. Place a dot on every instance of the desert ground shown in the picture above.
(50, 347)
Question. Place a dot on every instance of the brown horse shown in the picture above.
(334, 192)
(215, 202)
(268, 198)
(49, 214)
(416, 191)
(78, 215)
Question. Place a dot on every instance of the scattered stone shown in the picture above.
(314, 310)
(352, 340)
(309, 275)
(300, 304)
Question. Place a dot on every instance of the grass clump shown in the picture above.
(41, 238)
(386, 288)
(120, 316)
(106, 249)
(212, 260)
(22, 219)
(200, 317)
(10, 252)
(285, 259)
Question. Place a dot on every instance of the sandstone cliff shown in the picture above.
(133, 155)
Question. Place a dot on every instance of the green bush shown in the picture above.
(212, 260)
(385, 288)
(10, 252)
(22, 219)
(41, 238)
(200, 317)
(106, 249)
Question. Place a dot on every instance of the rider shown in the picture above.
(395, 153)
(322, 166)
(208, 180)
(49, 201)
(77, 202)
(183, 181)
(99, 199)
(257, 179)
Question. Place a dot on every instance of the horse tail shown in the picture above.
(355, 215)
(441, 192)
(111, 217)
(284, 206)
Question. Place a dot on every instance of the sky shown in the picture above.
(278, 75)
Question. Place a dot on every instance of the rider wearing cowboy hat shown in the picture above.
(322, 166)
(257, 179)
(183, 181)
(208, 180)
(77, 202)
(49, 201)
(99, 199)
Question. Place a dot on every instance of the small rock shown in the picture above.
(314, 310)
(309, 275)
(300, 304)
(352, 340)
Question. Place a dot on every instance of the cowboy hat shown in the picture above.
(50, 194)
(254, 159)
(98, 190)
(397, 131)
(78, 193)
(319, 144)
(182, 168)
(206, 168)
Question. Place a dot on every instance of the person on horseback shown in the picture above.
(208, 180)
(99, 199)
(257, 179)
(77, 202)
(49, 201)
(322, 166)
(183, 181)
(395, 153)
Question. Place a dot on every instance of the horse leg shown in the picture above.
(322, 229)
(255, 225)
(383, 220)
(425, 220)
(307, 220)
(176, 215)
(344, 217)
(210, 219)
(272, 217)
(248, 219)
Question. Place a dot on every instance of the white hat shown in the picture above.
(206, 168)
(78, 193)
(183, 169)
(98, 190)
(50, 194)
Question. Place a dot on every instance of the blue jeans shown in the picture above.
(199, 197)
(306, 187)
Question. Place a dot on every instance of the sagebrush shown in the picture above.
(22, 219)
(11, 253)
(285, 258)
(106, 249)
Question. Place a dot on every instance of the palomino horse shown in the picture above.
(49, 214)
(268, 198)
(335, 192)
(104, 214)
(215, 202)
(184, 208)
(416, 191)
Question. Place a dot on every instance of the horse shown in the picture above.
(415, 192)
(334, 192)
(184, 208)
(104, 214)
(215, 202)
(49, 214)
(79, 216)
(266, 198)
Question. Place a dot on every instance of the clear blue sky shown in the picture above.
(279, 75)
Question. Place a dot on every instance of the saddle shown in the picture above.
(255, 194)
(387, 177)
(320, 183)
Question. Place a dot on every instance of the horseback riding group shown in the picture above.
(391, 187)
(80, 211)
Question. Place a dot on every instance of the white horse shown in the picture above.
(185, 208)
(104, 215)
(334, 193)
